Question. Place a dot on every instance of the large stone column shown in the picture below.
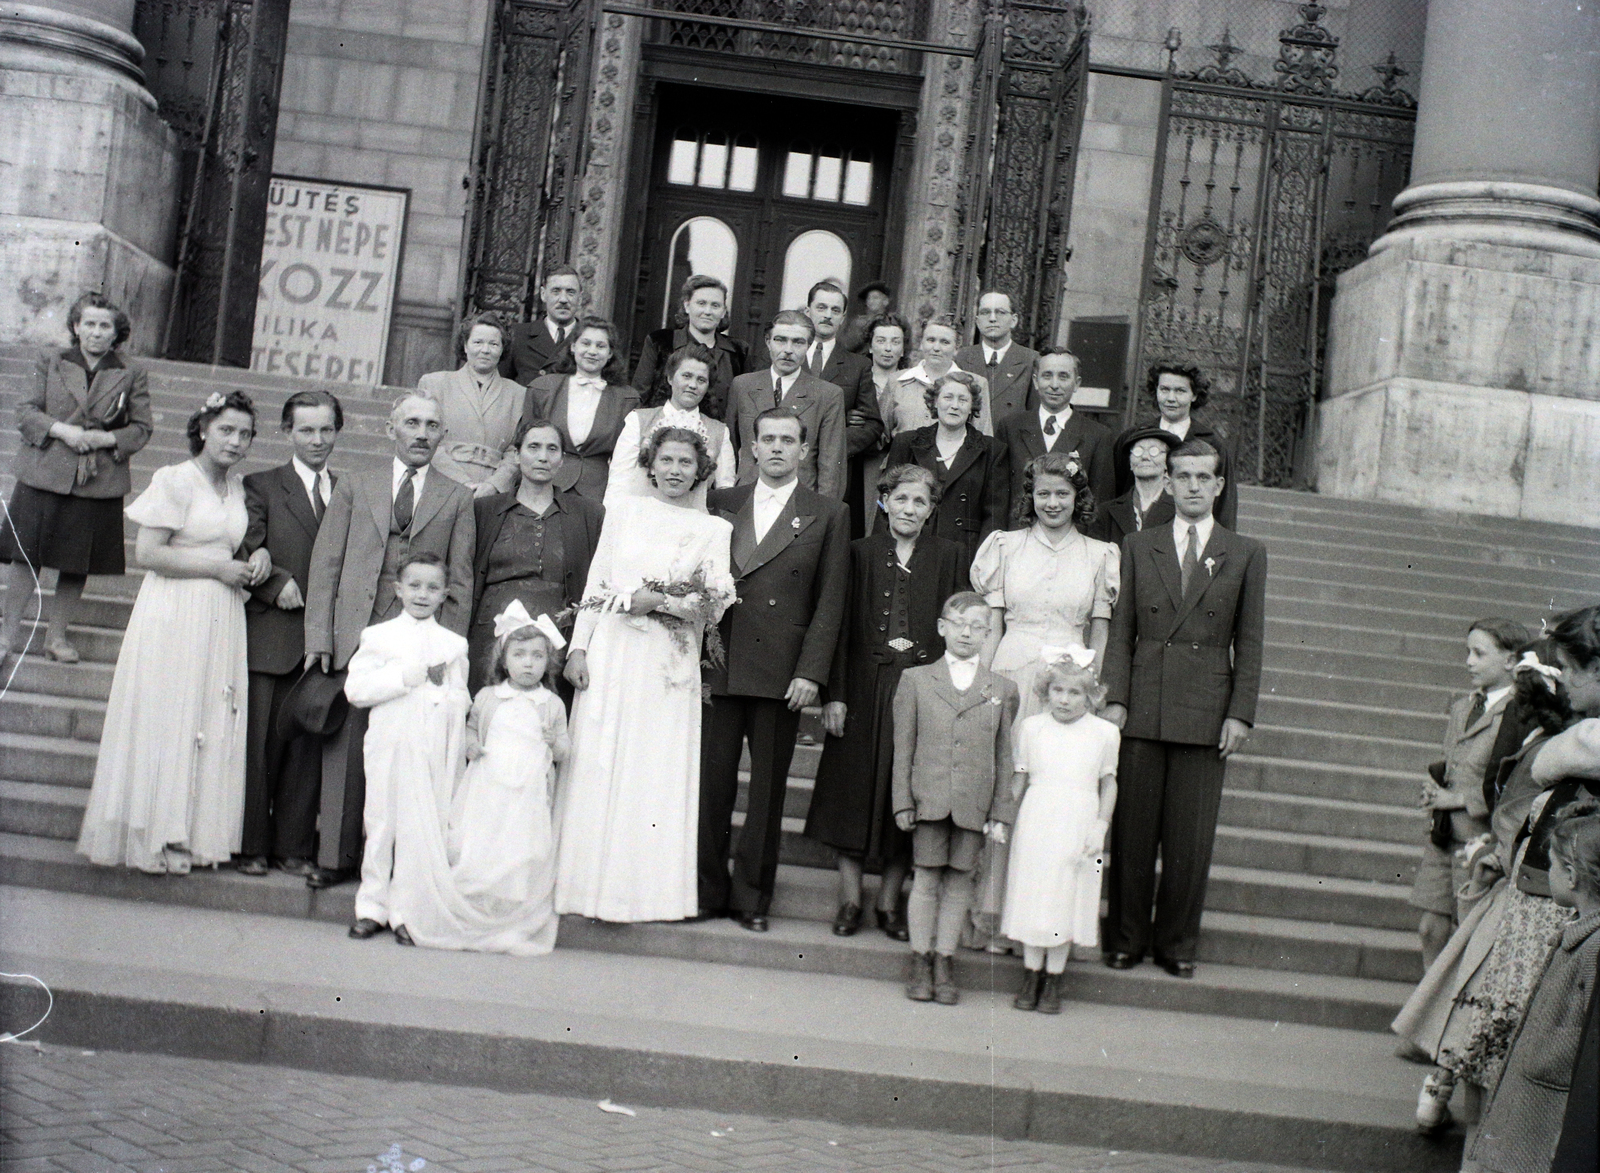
(1461, 368)
(88, 171)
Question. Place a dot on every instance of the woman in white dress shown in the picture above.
(1049, 587)
(169, 782)
(628, 802)
(688, 373)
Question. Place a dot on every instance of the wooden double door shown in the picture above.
(770, 194)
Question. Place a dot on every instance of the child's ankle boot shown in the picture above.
(944, 981)
(920, 987)
(1050, 994)
(1028, 997)
(1433, 1102)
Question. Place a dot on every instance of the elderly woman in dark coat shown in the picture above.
(534, 544)
(972, 468)
(85, 416)
(900, 576)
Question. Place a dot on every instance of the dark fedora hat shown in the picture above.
(316, 704)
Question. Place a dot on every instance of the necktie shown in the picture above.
(318, 508)
(561, 335)
(405, 501)
(993, 367)
(816, 359)
(1050, 428)
(777, 392)
(1191, 558)
(1476, 711)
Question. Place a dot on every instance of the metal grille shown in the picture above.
(822, 29)
(1265, 191)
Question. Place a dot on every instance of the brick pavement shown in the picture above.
(64, 1110)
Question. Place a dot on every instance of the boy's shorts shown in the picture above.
(1440, 875)
(942, 844)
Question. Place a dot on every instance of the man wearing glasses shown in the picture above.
(1007, 364)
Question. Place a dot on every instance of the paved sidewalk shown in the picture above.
(63, 1110)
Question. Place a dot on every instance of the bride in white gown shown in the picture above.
(627, 808)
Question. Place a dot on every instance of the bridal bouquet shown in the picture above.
(693, 604)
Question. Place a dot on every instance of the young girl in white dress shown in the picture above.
(1066, 759)
(502, 846)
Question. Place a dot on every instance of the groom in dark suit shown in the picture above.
(1053, 426)
(1182, 670)
(283, 777)
(791, 558)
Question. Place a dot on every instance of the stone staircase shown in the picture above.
(1306, 918)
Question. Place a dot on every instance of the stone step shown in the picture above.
(1435, 649)
(1448, 542)
(1514, 565)
(41, 810)
(1255, 501)
(1347, 857)
(59, 761)
(85, 681)
(51, 716)
(1381, 827)
(1295, 896)
(1252, 771)
(1530, 593)
(1351, 749)
(1364, 665)
(1349, 690)
(1341, 716)
(1464, 603)
(1297, 946)
(1367, 615)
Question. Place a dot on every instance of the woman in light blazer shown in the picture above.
(588, 399)
(480, 410)
(81, 422)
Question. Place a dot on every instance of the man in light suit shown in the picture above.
(829, 360)
(1053, 426)
(283, 777)
(374, 521)
(1182, 670)
(818, 405)
(791, 559)
(533, 348)
(1004, 362)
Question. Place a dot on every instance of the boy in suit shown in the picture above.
(791, 558)
(375, 521)
(1182, 671)
(786, 384)
(1457, 804)
(952, 785)
(283, 778)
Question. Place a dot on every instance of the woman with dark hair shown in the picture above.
(85, 416)
(587, 397)
(533, 545)
(974, 477)
(688, 372)
(702, 317)
(169, 780)
(900, 576)
(628, 805)
(480, 410)
(1178, 390)
(1049, 586)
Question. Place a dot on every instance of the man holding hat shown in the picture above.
(283, 762)
(1148, 503)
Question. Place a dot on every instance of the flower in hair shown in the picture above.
(215, 401)
(1077, 653)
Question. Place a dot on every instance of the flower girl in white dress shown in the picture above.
(502, 847)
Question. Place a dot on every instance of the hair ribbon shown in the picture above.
(1077, 653)
(515, 617)
(1534, 664)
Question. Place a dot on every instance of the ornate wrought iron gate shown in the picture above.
(215, 67)
(1264, 193)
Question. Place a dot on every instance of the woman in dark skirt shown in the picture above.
(899, 578)
(84, 418)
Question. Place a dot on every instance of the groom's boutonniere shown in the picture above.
(1211, 567)
(795, 523)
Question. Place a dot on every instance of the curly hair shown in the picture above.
(201, 420)
(615, 370)
(1067, 672)
(1198, 383)
(1068, 468)
(552, 662)
(651, 446)
(1577, 633)
(895, 320)
(95, 300)
(468, 325)
(904, 474)
(1539, 695)
(969, 381)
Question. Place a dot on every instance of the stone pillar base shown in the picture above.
(1462, 376)
(89, 189)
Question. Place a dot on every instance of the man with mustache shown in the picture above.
(375, 521)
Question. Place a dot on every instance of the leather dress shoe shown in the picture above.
(1122, 960)
(365, 929)
(848, 920)
(754, 921)
(253, 865)
(1178, 969)
(328, 877)
(894, 925)
(292, 866)
(401, 936)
